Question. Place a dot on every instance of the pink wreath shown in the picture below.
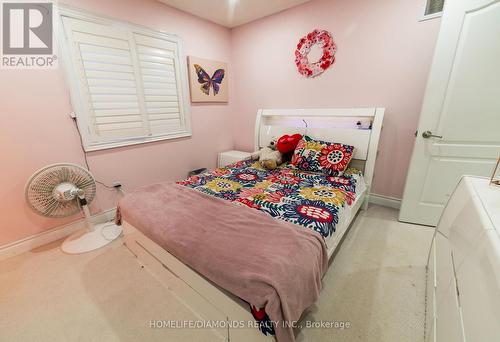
(307, 68)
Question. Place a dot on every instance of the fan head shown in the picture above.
(53, 191)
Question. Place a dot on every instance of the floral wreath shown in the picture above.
(307, 68)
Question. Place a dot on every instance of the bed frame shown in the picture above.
(359, 127)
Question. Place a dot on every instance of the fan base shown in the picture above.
(86, 241)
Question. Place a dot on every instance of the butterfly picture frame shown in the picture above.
(207, 80)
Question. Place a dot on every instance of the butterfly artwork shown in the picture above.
(207, 80)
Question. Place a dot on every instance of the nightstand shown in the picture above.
(230, 157)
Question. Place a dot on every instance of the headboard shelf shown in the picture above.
(329, 124)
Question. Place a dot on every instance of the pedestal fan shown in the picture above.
(62, 190)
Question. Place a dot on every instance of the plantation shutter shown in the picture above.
(159, 82)
(127, 84)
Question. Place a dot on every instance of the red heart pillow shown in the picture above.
(287, 143)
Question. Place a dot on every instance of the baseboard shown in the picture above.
(385, 201)
(54, 234)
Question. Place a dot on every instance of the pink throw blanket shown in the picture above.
(266, 262)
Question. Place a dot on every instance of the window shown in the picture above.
(127, 83)
(433, 9)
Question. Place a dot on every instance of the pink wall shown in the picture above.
(383, 59)
(36, 130)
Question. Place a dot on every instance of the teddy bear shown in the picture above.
(269, 158)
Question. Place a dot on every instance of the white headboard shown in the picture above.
(329, 124)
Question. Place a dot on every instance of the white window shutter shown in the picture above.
(127, 84)
(162, 90)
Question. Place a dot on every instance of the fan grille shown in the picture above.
(40, 189)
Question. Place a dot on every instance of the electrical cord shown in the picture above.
(118, 189)
(85, 155)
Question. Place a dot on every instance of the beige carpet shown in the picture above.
(376, 283)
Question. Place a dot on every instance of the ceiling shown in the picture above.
(232, 13)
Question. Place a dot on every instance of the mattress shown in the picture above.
(347, 212)
(312, 200)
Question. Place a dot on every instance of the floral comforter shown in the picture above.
(311, 200)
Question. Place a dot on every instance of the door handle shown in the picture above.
(428, 134)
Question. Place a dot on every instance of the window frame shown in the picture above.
(77, 84)
(425, 17)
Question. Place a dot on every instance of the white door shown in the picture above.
(461, 107)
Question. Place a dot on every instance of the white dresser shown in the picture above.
(463, 270)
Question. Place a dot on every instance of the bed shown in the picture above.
(276, 193)
(280, 192)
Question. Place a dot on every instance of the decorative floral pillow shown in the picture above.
(321, 156)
